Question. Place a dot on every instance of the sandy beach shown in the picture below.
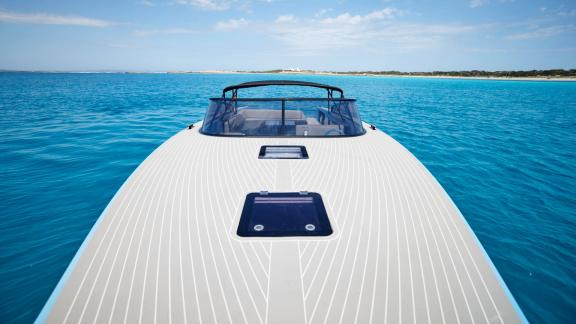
(553, 79)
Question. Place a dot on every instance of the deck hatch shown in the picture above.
(283, 152)
(284, 214)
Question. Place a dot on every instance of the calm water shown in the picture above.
(504, 151)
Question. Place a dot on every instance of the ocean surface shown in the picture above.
(505, 151)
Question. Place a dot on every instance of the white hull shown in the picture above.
(165, 249)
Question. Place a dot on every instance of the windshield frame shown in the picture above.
(283, 101)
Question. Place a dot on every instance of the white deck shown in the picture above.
(165, 249)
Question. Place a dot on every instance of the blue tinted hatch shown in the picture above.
(283, 152)
(284, 214)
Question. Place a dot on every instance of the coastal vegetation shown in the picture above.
(553, 73)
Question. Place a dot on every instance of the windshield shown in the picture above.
(282, 117)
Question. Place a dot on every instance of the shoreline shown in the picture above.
(549, 79)
(352, 74)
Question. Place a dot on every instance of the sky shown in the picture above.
(340, 35)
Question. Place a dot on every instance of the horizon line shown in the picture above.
(273, 71)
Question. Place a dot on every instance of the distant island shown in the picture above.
(554, 74)
(536, 75)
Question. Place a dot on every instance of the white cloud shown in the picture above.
(285, 19)
(220, 5)
(214, 5)
(147, 3)
(346, 18)
(231, 24)
(560, 11)
(377, 29)
(49, 19)
(166, 31)
(544, 32)
(322, 12)
(567, 13)
(478, 3)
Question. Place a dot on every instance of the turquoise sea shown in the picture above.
(504, 150)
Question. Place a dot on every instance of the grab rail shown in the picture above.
(234, 88)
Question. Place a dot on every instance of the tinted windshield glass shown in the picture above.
(282, 117)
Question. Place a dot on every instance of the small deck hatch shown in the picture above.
(283, 152)
(284, 214)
